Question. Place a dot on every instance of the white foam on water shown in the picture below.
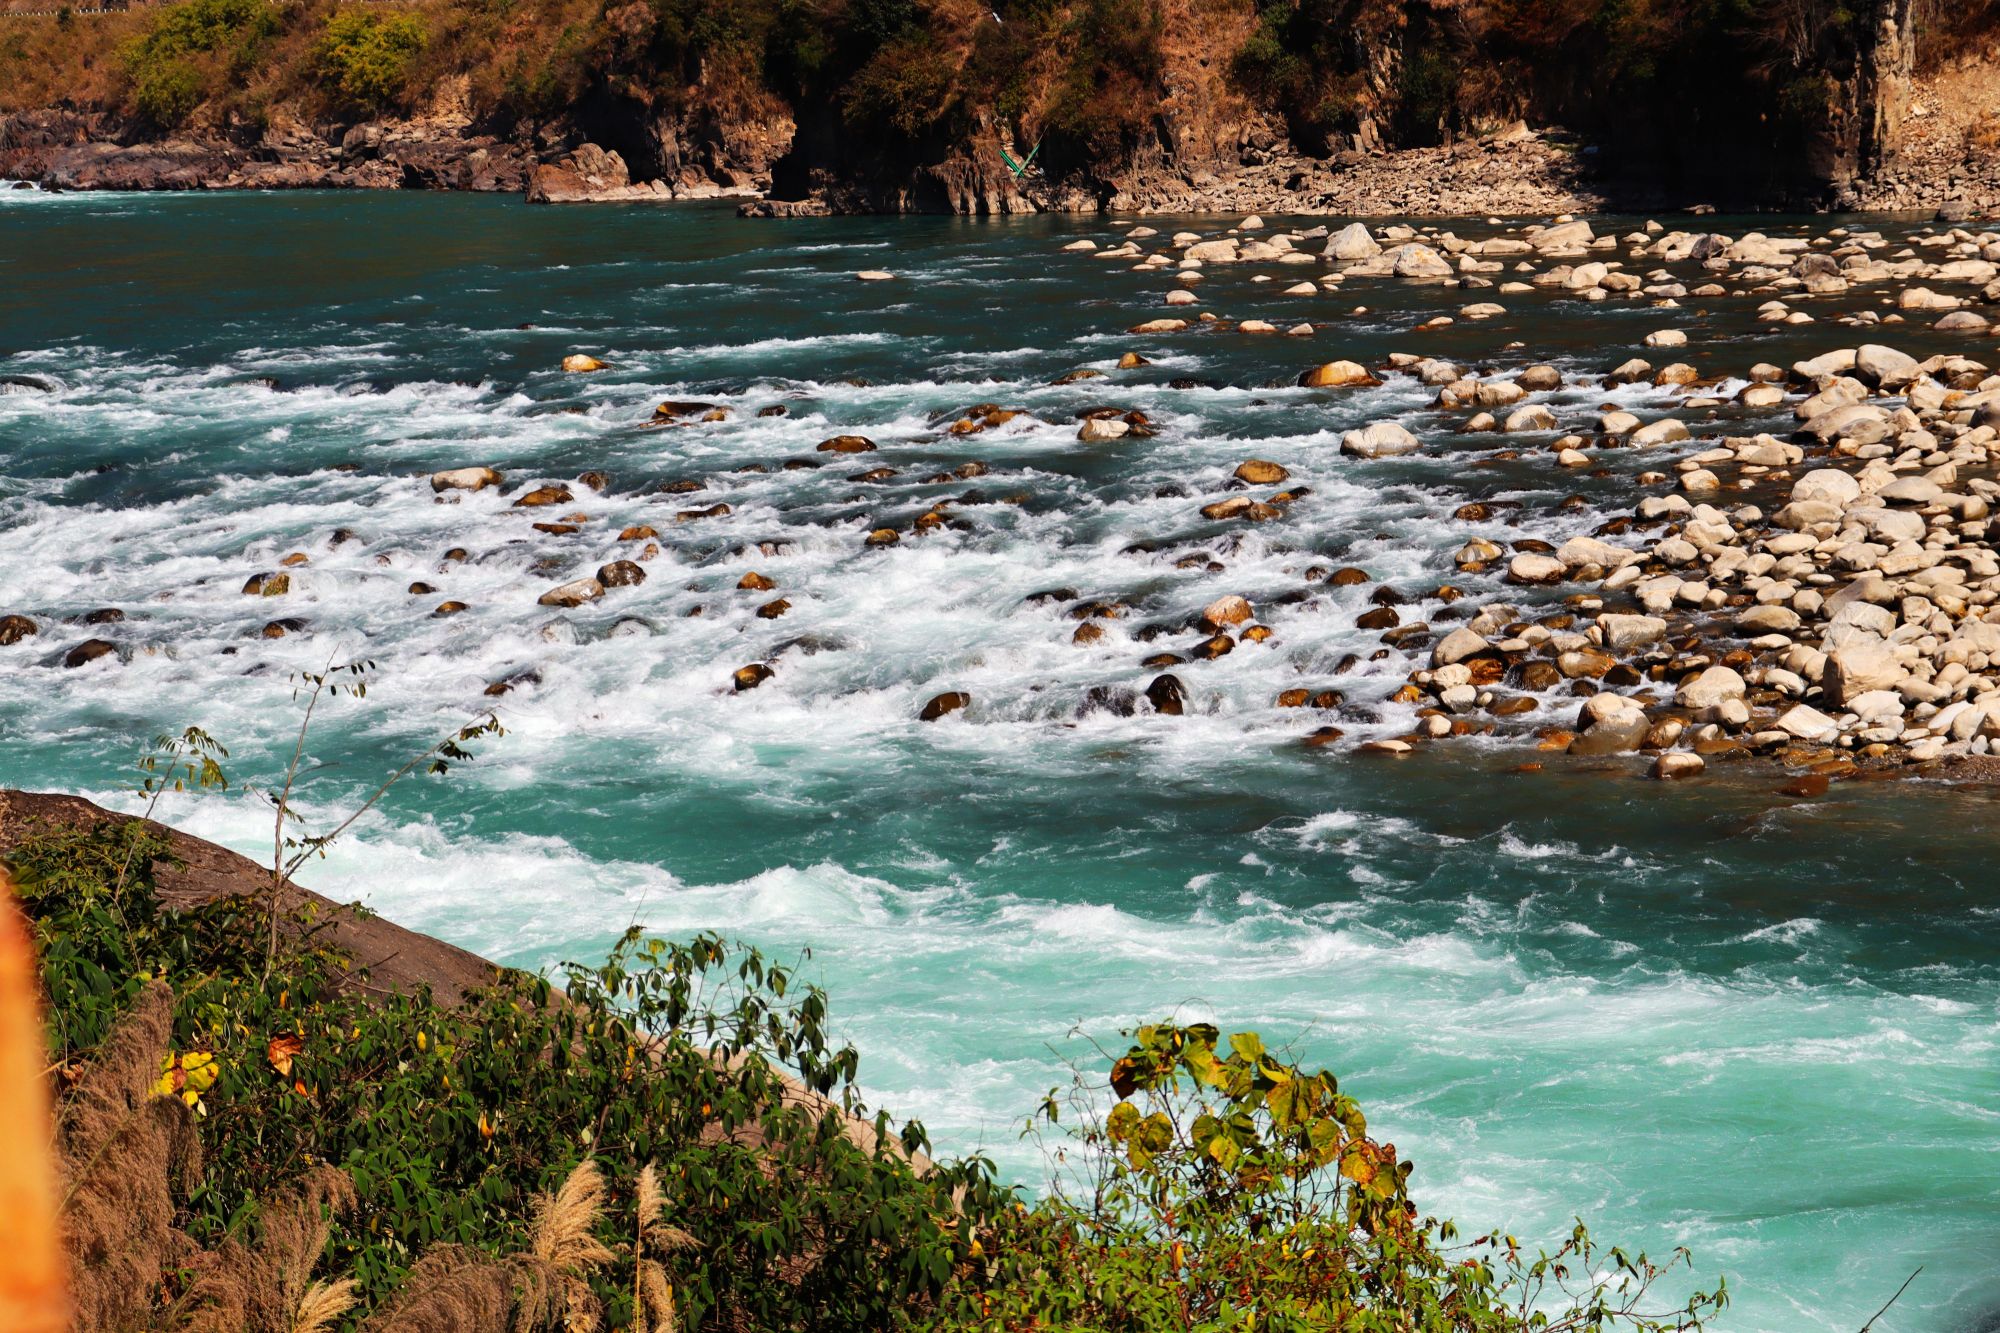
(1487, 991)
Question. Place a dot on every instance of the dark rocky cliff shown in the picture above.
(915, 105)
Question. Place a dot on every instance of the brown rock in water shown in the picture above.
(1087, 633)
(673, 410)
(545, 495)
(756, 582)
(1241, 506)
(949, 702)
(695, 515)
(1132, 361)
(576, 363)
(1337, 375)
(13, 629)
(450, 608)
(1226, 611)
(1321, 737)
(573, 593)
(1220, 645)
(772, 610)
(1260, 472)
(621, 574)
(1811, 784)
(750, 677)
(638, 532)
(1539, 676)
(847, 444)
(1167, 695)
(465, 479)
(1349, 577)
(421, 589)
(267, 585)
(1382, 617)
(89, 651)
(278, 629)
(882, 537)
(295, 560)
(1294, 698)
(597, 481)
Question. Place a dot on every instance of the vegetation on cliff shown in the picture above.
(878, 86)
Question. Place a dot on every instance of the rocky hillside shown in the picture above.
(917, 105)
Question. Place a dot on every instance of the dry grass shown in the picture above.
(653, 1295)
(268, 1288)
(456, 1290)
(122, 1151)
(565, 1242)
(322, 1306)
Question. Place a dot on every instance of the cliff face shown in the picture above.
(916, 105)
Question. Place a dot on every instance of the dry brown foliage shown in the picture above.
(457, 1290)
(122, 1151)
(565, 1243)
(266, 1288)
(653, 1295)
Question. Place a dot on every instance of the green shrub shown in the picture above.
(906, 88)
(1227, 1189)
(448, 1119)
(193, 51)
(363, 58)
(166, 91)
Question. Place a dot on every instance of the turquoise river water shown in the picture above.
(1706, 1015)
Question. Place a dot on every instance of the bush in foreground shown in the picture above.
(414, 1158)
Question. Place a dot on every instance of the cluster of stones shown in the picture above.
(1850, 625)
(1854, 621)
(1568, 257)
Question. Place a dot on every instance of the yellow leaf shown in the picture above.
(202, 1070)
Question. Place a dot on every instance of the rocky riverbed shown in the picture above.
(1825, 596)
(1822, 592)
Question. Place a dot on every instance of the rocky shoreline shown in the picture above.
(1828, 597)
(1514, 172)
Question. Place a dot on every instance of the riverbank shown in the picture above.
(1514, 172)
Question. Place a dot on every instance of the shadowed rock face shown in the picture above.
(1697, 110)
